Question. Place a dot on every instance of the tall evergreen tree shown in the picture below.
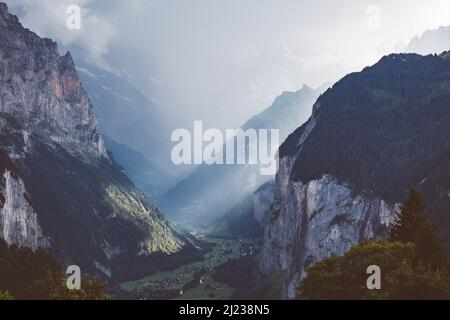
(413, 225)
(404, 227)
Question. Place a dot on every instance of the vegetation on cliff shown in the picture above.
(412, 261)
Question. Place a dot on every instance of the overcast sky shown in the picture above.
(222, 61)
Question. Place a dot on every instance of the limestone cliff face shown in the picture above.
(41, 89)
(18, 221)
(311, 221)
(262, 201)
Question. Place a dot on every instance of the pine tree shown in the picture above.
(404, 228)
(413, 225)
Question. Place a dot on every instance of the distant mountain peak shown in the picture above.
(4, 9)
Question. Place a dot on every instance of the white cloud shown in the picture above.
(49, 19)
(223, 61)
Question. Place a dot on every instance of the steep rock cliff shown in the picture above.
(41, 90)
(18, 221)
(311, 221)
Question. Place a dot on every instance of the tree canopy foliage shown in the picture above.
(30, 275)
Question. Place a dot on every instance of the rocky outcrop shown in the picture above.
(311, 221)
(262, 201)
(41, 89)
(18, 221)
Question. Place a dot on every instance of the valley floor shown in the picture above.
(194, 280)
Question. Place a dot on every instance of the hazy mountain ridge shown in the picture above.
(134, 125)
(430, 42)
(246, 219)
(148, 176)
(210, 191)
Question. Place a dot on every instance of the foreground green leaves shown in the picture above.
(25, 274)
